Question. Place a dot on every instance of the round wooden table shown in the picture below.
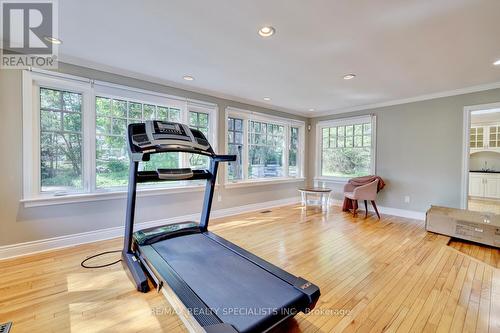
(322, 192)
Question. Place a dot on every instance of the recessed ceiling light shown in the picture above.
(52, 40)
(266, 31)
(349, 76)
(497, 63)
(267, 98)
(188, 78)
(311, 110)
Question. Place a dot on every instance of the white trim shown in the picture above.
(448, 93)
(32, 81)
(466, 148)
(409, 214)
(259, 182)
(266, 117)
(340, 122)
(21, 249)
(50, 200)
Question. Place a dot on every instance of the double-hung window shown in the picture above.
(75, 135)
(266, 147)
(346, 147)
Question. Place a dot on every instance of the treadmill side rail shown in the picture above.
(220, 328)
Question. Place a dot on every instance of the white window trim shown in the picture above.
(231, 112)
(31, 81)
(339, 122)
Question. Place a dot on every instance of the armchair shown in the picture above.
(364, 192)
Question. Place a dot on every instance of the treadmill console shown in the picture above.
(155, 136)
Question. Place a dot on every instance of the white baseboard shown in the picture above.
(21, 249)
(410, 214)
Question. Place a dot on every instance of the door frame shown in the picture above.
(464, 195)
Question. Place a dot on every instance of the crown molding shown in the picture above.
(449, 93)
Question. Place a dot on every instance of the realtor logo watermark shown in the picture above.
(29, 31)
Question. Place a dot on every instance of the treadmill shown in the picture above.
(211, 283)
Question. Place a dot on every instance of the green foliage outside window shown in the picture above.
(346, 151)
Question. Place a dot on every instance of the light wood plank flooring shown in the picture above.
(375, 276)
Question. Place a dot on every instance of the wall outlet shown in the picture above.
(219, 197)
(407, 199)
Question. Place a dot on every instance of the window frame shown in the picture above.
(248, 116)
(372, 119)
(33, 80)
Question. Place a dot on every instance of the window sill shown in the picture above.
(336, 180)
(248, 183)
(49, 200)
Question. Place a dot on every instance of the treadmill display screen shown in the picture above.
(166, 126)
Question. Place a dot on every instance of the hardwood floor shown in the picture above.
(375, 276)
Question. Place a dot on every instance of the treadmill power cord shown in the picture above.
(98, 255)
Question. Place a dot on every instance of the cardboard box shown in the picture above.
(479, 227)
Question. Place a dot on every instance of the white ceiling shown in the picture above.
(398, 49)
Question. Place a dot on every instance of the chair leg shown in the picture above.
(354, 207)
(366, 209)
(375, 207)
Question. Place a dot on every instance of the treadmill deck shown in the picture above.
(238, 291)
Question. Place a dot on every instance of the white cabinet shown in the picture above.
(484, 185)
(485, 137)
(476, 186)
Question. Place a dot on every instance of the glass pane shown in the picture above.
(162, 113)
(102, 106)
(346, 162)
(349, 130)
(238, 137)
(111, 161)
(230, 137)
(340, 141)
(119, 108)
(149, 112)
(72, 122)
(238, 125)
(175, 115)
(493, 144)
(119, 126)
(203, 120)
(358, 129)
(479, 130)
(230, 124)
(326, 137)
(358, 141)
(103, 125)
(71, 101)
(135, 110)
(235, 171)
(60, 162)
(50, 121)
(349, 141)
(50, 99)
(193, 119)
(341, 131)
(367, 140)
(367, 128)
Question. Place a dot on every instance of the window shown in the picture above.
(235, 147)
(347, 147)
(266, 143)
(199, 121)
(60, 140)
(112, 118)
(266, 147)
(75, 134)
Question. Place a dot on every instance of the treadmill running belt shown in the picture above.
(238, 291)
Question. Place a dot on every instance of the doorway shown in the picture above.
(481, 158)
